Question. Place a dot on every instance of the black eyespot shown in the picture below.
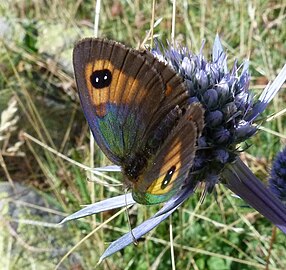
(101, 78)
(168, 177)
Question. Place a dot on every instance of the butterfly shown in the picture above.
(137, 109)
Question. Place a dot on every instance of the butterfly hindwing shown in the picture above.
(169, 167)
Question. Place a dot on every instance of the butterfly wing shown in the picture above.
(123, 94)
(169, 168)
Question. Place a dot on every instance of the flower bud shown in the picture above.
(214, 119)
(221, 136)
(202, 79)
(211, 98)
(244, 130)
(221, 155)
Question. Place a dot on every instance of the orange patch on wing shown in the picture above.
(133, 86)
(113, 85)
(120, 85)
(122, 89)
(99, 97)
(169, 89)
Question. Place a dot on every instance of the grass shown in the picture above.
(36, 73)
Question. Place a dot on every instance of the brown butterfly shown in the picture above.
(137, 108)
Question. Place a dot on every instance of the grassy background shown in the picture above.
(38, 96)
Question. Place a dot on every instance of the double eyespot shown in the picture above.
(168, 177)
(101, 78)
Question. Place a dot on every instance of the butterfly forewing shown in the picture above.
(122, 94)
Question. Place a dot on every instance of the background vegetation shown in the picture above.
(38, 98)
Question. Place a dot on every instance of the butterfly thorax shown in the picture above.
(136, 172)
(134, 166)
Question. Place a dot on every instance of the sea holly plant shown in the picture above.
(230, 112)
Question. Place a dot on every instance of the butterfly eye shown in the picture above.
(168, 177)
(101, 78)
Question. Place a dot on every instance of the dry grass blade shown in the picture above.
(87, 236)
(87, 168)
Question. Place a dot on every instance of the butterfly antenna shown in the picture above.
(135, 242)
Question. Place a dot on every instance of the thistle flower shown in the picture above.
(277, 180)
(228, 107)
(229, 114)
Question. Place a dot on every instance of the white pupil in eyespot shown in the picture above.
(100, 79)
(168, 177)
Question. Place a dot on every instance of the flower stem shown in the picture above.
(240, 179)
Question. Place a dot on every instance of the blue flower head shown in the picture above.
(277, 181)
(228, 106)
